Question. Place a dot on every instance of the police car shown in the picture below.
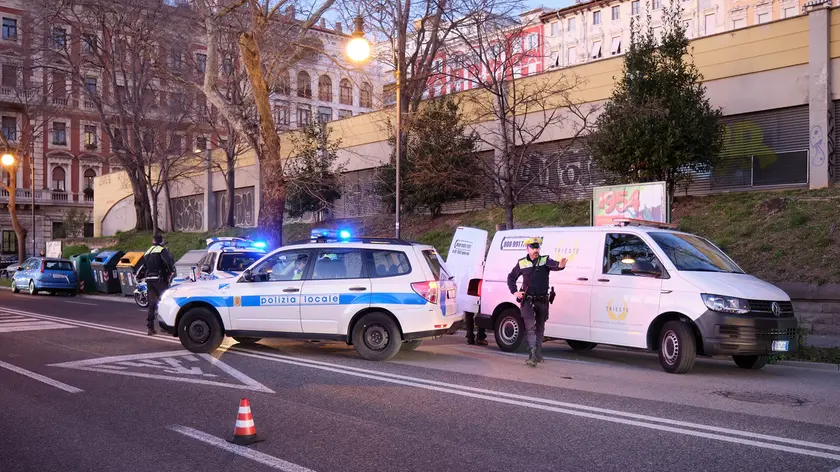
(379, 295)
(226, 257)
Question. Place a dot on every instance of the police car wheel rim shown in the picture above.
(670, 347)
(509, 330)
(199, 331)
(376, 337)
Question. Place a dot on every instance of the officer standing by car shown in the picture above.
(158, 268)
(534, 295)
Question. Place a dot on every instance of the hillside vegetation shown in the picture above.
(778, 236)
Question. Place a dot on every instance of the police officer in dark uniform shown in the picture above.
(158, 268)
(533, 296)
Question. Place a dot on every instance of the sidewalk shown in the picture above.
(823, 340)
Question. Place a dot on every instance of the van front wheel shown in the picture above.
(677, 348)
(509, 331)
(750, 362)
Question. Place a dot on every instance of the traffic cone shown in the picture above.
(244, 433)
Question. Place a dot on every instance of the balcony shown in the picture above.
(16, 94)
(23, 196)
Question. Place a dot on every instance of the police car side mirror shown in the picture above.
(205, 268)
(248, 275)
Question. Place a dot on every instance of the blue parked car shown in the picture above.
(46, 274)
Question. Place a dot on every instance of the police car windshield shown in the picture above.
(238, 262)
(692, 253)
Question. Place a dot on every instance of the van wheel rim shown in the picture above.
(670, 347)
(509, 330)
(199, 331)
(376, 337)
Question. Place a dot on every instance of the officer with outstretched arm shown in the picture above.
(534, 295)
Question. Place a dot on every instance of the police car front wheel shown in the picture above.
(244, 340)
(200, 331)
(376, 337)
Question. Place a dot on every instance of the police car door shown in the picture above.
(337, 290)
(271, 300)
(466, 261)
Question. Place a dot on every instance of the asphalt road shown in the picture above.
(82, 388)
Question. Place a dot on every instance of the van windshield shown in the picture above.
(693, 253)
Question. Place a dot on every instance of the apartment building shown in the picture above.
(597, 29)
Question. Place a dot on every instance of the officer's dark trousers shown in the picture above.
(534, 315)
(155, 288)
(470, 319)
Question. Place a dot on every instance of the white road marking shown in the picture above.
(13, 323)
(82, 303)
(242, 451)
(171, 365)
(573, 409)
(41, 378)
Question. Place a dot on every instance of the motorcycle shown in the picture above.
(141, 295)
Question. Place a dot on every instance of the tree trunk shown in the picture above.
(141, 203)
(155, 211)
(20, 231)
(170, 218)
(272, 178)
(231, 188)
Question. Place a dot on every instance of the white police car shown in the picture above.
(226, 257)
(380, 295)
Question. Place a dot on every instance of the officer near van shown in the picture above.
(534, 296)
(158, 269)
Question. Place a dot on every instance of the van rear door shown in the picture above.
(466, 261)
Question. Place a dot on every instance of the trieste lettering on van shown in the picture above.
(617, 312)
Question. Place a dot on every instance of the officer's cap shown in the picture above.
(535, 242)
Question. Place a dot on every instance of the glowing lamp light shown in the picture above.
(7, 159)
(628, 261)
(344, 234)
(259, 245)
(358, 49)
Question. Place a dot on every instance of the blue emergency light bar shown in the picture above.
(330, 235)
(238, 243)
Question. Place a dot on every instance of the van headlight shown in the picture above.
(726, 304)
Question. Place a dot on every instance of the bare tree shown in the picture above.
(492, 54)
(114, 56)
(35, 104)
(270, 40)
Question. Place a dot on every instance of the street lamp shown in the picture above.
(7, 160)
(358, 50)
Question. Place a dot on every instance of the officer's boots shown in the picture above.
(538, 354)
(532, 358)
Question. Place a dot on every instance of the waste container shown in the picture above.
(81, 262)
(104, 267)
(128, 265)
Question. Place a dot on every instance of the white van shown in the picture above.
(636, 284)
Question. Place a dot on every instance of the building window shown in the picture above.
(59, 133)
(325, 88)
(282, 113)
(324, 114)
(344, 114)
(9, 242)
(739, 23)
(284, 84)
(176, 58)
(59, 230)
(304, 115)
(533, 41)
(571, 24)
(200, 144)
(596, 18)
(91, 142)
(634, 8)
(345, 92)
(89, 44)
(366, 95)
(763, 18)
(175, 145)
(90, 84)
(59, 38)
(90, 174)
(596, 50)
(572, 56)
(9, 76)
(616, 13)
(304, 85)
(10, 29)
(789, 12)
(656, 4)
(9, 128)
(58, 175)
(616, 46)
(689, 32)
(555, 28)
(227, 65)
(201, 62)
(710, 23)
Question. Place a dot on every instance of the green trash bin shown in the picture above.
(126, 268)
(104, 267)
(81, 262)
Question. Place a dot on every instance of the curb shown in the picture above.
(117, 299)
(810, 365)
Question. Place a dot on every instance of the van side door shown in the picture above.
(624, 304)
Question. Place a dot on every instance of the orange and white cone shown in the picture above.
(244, 433)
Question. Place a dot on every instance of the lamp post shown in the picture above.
(358, 50)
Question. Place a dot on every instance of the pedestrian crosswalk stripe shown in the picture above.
(13, 323)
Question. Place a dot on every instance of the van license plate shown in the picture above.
(780, 345)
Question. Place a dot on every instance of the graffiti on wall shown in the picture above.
(188, 213)
(818, 156)
(243, 207)
(830, 138)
